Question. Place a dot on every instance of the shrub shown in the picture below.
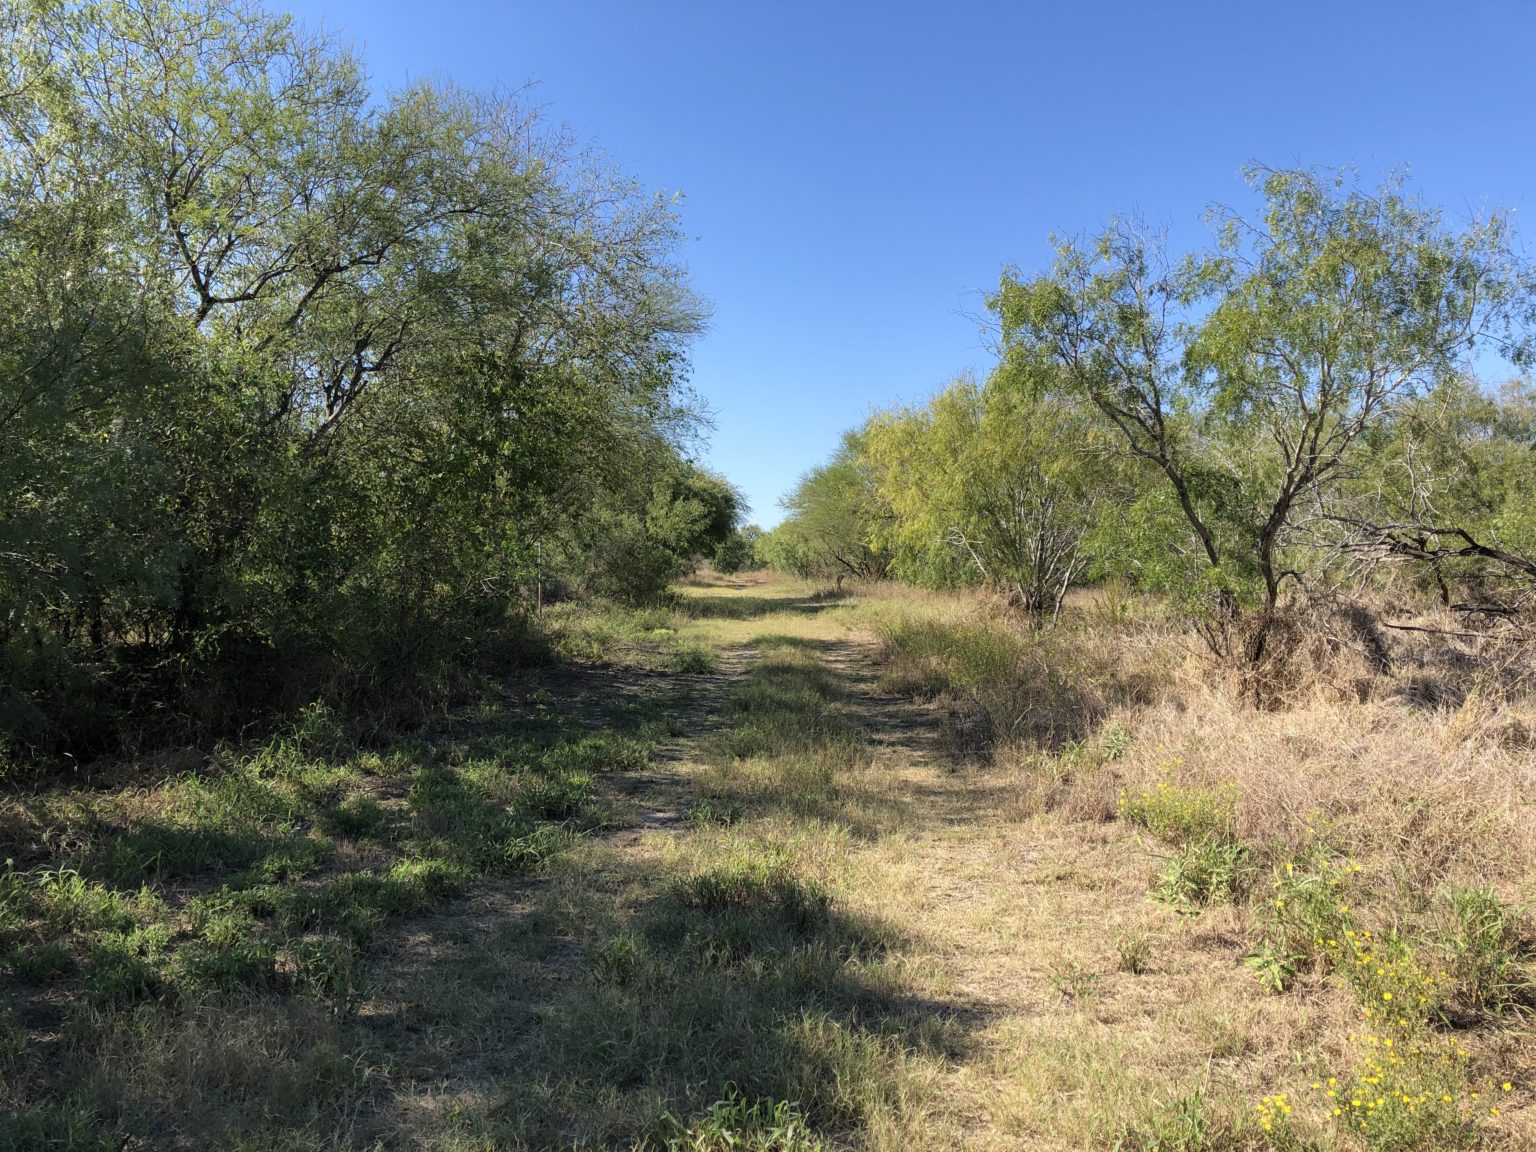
(1405, 1095)
(1308, 919)
(1489, 963)
(1182, 814)
(1114, 740)
(1203, 873)
(691, 659)
(1394, 989)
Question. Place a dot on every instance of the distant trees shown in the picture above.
(738, 552)
(1274, 411)
(637, 539)
(832, 526)
(999, 479)
(296, 380)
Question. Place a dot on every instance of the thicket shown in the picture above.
(1308, 409)
(306, 389)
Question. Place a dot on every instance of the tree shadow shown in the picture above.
(742, 977)
(584, 1008)
(126, 857)
(704, 607)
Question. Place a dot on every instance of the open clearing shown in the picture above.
(733, 881)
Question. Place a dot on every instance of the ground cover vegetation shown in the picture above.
(775, 866)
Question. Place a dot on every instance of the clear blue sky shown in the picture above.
(857, 174)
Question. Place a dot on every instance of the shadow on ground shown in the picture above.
(700, 606)
(743, 978)
(590, 1001)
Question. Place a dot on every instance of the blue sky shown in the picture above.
(856, 175)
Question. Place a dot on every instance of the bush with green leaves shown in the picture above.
(301, 383)
(1204, 872)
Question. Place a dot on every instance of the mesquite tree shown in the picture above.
(1245, 374)
(1002, 480)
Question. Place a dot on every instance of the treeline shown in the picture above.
(1303, 407)
(307, 389)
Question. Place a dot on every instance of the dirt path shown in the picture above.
(896, 727)
(1001, 978)
(982, 935)
(661, 795)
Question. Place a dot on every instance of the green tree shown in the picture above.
(642, 534)
(738, 552)
(1246, 373)
(1450, 487)
(295, 381)
(1000, 478)
(833, 516)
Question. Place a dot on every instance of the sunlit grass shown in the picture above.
(739, 880)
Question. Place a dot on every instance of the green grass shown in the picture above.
(1491, 955)
(467, 937)
(211, 937)
(733, 1003)
(736, 1124)
(1204, 872)
(1181, 1125)
(598, 631)
(267, 882)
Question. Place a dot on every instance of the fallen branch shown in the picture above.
(1434, 631)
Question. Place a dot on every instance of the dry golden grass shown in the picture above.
(1042, 881)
